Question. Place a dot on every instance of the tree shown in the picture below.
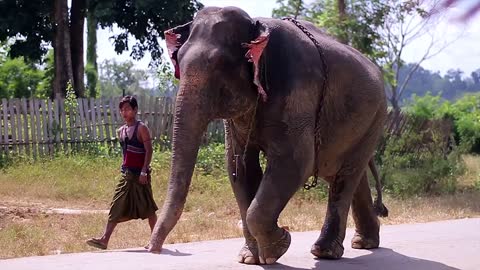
(145, 20)
(381, 29)
(476, 77)
(165, 82)
(29, 24)
(45, 88)
(406, 21)
(355, 23)
(293, 8)
(37, 24)
(117, 79)
(92, 66)
(77, 22)
(18, 79)
(62, 50)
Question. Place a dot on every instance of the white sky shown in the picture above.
(464, 53)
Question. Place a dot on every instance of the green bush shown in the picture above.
(211, 159)
(318, 193)
(425, 107)
(477, 183)
(465, 113)
(413, 166)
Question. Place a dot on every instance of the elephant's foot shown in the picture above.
(270, 253)
(154, 248)
(327, 250)
(360, 241)
(248, 254)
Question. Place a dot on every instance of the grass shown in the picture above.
(211, 212)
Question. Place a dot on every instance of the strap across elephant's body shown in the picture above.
(318, 140)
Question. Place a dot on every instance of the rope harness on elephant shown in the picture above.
(318, 140)
(229, 123)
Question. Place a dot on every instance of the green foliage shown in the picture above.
(92, 79)
(18, 79)
(91, 69)
(6, 160)
(145, 20)
(115, 78)
(476, 185)
(292, 8)
(423, 170)
(45, 88)
(360, 26)
(70, 100)
(29, 23)
(426, 107)
(318, 193)
(64, 176)
(167, 83)
(416, 162)
(465, 113)
(211, 159)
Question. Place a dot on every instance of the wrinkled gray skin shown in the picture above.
(217, 82)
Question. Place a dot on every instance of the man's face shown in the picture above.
(127, 112)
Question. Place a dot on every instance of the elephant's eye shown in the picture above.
(215, 59)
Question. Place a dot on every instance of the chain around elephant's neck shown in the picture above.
(318, 141)
(232, 132)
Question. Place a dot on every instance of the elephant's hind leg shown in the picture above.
(367, 226)
(329, 244)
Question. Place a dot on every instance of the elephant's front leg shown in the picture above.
(330, 243)
(283, 177)
(245, 181)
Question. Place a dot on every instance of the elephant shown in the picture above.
(313, 106)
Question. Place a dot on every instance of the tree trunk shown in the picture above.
(298, 8)
(92, 66)
(76, 32)
(61, 45)
(342, 15)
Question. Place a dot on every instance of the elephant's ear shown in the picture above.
(256, 48)
(174, 38)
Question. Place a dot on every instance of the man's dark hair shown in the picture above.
(130, 100)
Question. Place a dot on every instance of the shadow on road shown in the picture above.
(165, 251)
(379, 259)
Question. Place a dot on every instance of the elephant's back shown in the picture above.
(352, 105)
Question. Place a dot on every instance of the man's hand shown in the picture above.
(143, 179)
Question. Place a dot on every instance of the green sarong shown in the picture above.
(132, 200)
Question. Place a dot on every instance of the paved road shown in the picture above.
(446, 245)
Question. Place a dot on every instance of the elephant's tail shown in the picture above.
(380, 209)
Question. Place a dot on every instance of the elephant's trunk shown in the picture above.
(190, 123)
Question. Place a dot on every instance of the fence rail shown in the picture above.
(41, 127)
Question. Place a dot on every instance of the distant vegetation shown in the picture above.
(450, 86)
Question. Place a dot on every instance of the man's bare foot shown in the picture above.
(97, 243)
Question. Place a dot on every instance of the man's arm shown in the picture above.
(146, 139)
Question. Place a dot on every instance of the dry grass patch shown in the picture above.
(210, 213)
(28, 234)
(472, 171)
